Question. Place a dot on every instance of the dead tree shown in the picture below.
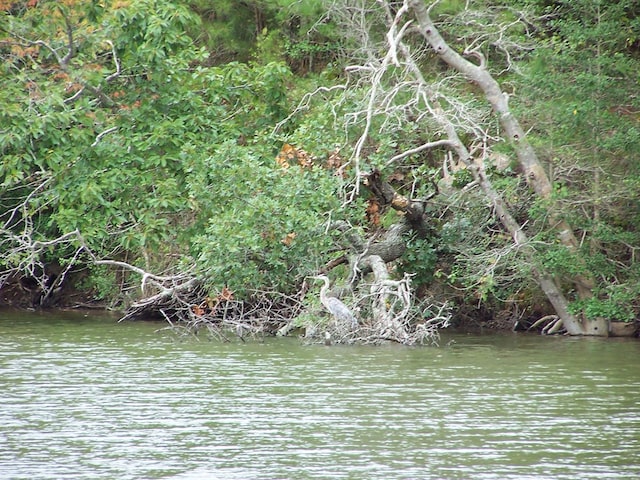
(398, 75)
(527, 158)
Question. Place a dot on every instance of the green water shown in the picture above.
(88, 398)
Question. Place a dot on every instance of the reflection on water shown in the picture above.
(90, 399)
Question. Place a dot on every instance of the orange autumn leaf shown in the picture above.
(304, 158)
(289, 151)
(64, 76)
(289, 154)
(285, 155)
(282, 162)
(289, 238)
(335, 160)
(226, 295)
(373, 212)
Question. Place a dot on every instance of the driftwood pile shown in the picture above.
(190, 311)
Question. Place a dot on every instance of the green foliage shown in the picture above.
(149, 35)
(561, 261)
(461, 178)
(449, 7)
(133, 138)
(420, 258)
(616, 302)
(102, 281)
(584, 123)
(147, 152)
(263, 232)
(267, 31)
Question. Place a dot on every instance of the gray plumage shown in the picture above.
(333, 305)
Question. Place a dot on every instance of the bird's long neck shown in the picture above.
(325, 288)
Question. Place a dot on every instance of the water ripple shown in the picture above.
(121, 402)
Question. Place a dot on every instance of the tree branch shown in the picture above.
(116, 61)
(102, 134)
(71, 48)
(421, 148)
(157, 280)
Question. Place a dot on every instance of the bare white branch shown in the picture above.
(304, 103)
(157, 280)
(102, 134)
(421, 148)
(116, 61)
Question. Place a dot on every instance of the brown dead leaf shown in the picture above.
(373, 212)
(289, 238)
(225, 295)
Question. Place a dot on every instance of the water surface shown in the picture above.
(86, 397)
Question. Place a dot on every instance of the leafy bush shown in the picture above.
(618, 302)
(148, 153)
(264, 227)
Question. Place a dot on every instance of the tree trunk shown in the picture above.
(499, 101)
(529, 163)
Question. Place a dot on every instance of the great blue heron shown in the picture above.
(334, 306)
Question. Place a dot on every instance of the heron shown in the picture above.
(334, 306)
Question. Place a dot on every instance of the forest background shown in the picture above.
(236, 147)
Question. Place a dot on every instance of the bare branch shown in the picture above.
(116, 61)
(71, 48)
(157, 280)
(421, 148)
(75, 96)
(102, 134)
(305, 102)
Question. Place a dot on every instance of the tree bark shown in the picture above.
(387, 196)
(499, 101)
(529, 163)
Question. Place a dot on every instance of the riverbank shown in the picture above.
(467, 324)
(267, 317)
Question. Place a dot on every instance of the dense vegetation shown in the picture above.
(233, 142)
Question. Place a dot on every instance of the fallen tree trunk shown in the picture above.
(391, 244)
(536, 175)
(531, 167)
